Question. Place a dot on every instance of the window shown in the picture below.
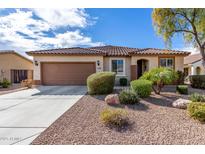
(167, 62)
(117, 65)
(18, 75)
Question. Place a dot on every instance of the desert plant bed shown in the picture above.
(153, 121)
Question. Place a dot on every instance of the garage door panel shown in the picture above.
(66, 73)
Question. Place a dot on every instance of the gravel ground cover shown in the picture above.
(154, 121)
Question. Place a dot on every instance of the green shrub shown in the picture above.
(123, 81)
(114, 117)
(160, 76)
(182, 89)
(101, 83)
(128, 97)
(142, 87)
(195, 97)
(5, 83)
(197, 111)
(180, 79)
(197, 81)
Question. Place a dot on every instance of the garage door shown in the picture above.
(66, 73)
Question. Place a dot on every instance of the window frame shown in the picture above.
(110, 66)
(173, 59)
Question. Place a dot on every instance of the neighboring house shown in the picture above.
(193, 65)
(15, 67)
(72, 66)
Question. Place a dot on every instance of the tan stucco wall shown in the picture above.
(192, 68)
(104, 63)
(107, 61)
(179, 63)
(13, 61)
(152, 60)
(199, 64)
(39, 59)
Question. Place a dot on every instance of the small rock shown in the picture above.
(112, 99)
(181, 103)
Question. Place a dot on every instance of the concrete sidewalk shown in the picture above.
(11, 89)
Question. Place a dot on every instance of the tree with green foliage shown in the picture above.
(190, 22)
(159, 77)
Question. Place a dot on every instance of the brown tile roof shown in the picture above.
(192, 58)
(116, 50)
(6, 51)
(67, 51)
(126, 51)
(15, 53)
(155, 51)
(109, 51)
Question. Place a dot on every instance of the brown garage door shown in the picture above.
(66, 73)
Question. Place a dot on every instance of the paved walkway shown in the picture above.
(11, 89)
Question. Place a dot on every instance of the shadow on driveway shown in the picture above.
(61, 90)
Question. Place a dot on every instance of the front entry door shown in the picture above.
(139, 68)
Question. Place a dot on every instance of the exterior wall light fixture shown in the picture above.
(98, 62)
(36, 63)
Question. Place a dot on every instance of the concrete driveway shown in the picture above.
(25, 114)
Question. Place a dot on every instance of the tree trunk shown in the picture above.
(157, 90)
(203, 62)
(202, 51)
(153, 88)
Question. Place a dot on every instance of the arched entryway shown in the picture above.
(198, 70)
(142, 66)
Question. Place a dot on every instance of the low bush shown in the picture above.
(197, 111)
(182, 89)
(181, 77)
(5, 83)
(197, 81)
(101, 83)
(128, 97)
(195, 97)
(123, 81)
(114, 117)
(160, 76)
(142, 87)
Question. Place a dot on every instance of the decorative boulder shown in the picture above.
(181, 103)
(112, 99)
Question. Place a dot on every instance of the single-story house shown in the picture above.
(193, 65)
(72, 66)
(15, 67)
